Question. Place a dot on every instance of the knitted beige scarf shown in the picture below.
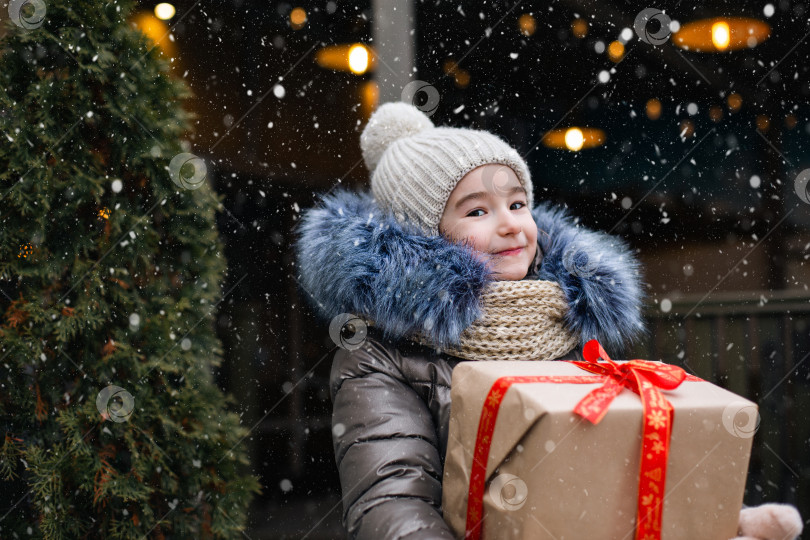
(523, 320)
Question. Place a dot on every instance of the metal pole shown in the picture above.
(393, 34)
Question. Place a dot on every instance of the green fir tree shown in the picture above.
(110, 275)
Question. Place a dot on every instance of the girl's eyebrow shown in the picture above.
(482, 194)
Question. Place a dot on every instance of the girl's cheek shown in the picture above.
(485, 258)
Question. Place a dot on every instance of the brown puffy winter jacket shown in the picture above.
(391, 404)
(389, 424)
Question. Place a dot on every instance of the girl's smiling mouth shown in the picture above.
(510, 252)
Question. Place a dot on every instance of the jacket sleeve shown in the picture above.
(386, 449)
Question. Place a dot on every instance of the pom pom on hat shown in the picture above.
(391, 121)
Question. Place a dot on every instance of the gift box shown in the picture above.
(604, 449)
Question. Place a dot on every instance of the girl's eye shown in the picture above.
(480, 210)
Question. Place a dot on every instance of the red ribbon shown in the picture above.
(642, 377)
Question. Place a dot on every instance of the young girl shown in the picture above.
(447, 260)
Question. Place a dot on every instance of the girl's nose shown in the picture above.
(509, 223)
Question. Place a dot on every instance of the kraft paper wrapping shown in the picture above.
(551, 474)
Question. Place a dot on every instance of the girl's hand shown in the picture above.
(771, 521)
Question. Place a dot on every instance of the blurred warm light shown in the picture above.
(686, 129)
(715, 113)
(574, 138)
(763, 122)
(721, 33)
(298, 18)
(653, 109)
(462, 78)
(164, 11)
(580, 28)
(354, 57)
(790, 121)
(527, 24)
(358, 59)
(616, 50)
(369, 99)
(156, 30)
(734, 101)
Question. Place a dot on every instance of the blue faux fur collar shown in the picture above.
(354, 258)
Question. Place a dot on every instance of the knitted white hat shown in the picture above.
(415, 165)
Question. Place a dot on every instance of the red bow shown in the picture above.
(631, 374)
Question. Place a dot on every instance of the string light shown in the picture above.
(164, 11)
(721, 34)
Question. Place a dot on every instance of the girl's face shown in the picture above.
(488, 208)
